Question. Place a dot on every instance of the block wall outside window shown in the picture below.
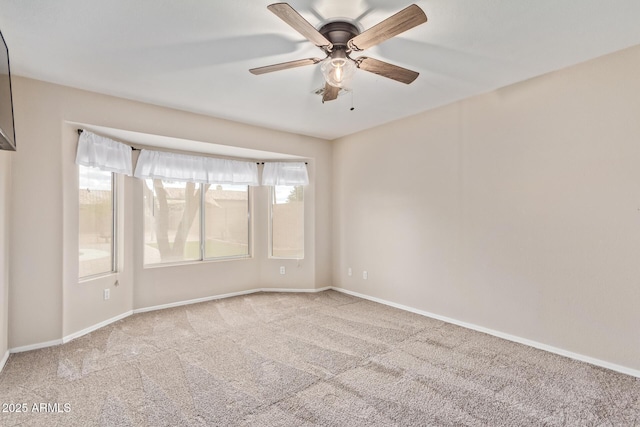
(96, 224)
(287, 222)
(226, 221)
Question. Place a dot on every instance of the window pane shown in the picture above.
(95, 222)
(171, 221)
(287, 222)
(226, 221)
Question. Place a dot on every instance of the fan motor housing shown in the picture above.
(339, 33)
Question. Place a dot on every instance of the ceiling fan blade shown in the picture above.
(330, 92)
(301, 25)
(385, 69)
(284, 66)
(402, 21)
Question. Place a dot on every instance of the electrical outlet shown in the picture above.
(365, 275)
(107, 294)
(349, 272)
(282, 270)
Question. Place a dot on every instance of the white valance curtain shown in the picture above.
(104, 153)
(206, 170)
(285, 173)
(109, 155)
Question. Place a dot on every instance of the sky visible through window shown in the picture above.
(282, 193)
(94, 178)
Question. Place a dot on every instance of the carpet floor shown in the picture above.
(325, 359)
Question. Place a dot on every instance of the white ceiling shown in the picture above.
(194, 55)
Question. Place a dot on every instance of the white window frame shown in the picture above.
(202, 235)
(114, 231)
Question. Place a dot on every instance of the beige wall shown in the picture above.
(5, 191)
(515, 211)
(46, 300)
(518, 210)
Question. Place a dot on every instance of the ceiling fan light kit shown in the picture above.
(337, 39)
(338, 71)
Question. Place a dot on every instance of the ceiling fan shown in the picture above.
(338, 38)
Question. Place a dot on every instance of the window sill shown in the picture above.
(195, 262)
(95, 277)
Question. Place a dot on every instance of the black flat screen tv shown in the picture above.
(7, 130)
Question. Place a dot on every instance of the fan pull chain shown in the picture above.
(352, 107)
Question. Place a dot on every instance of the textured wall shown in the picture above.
(517, 210)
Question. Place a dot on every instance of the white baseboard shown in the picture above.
(297, 291)
(520, 340)
(4, 360)
(95, 327)
(70, 336)
(509, 337)
(36, 346)
(143, 310)
(230, 295)
(193, 301)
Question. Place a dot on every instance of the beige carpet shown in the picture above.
(325, 359)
